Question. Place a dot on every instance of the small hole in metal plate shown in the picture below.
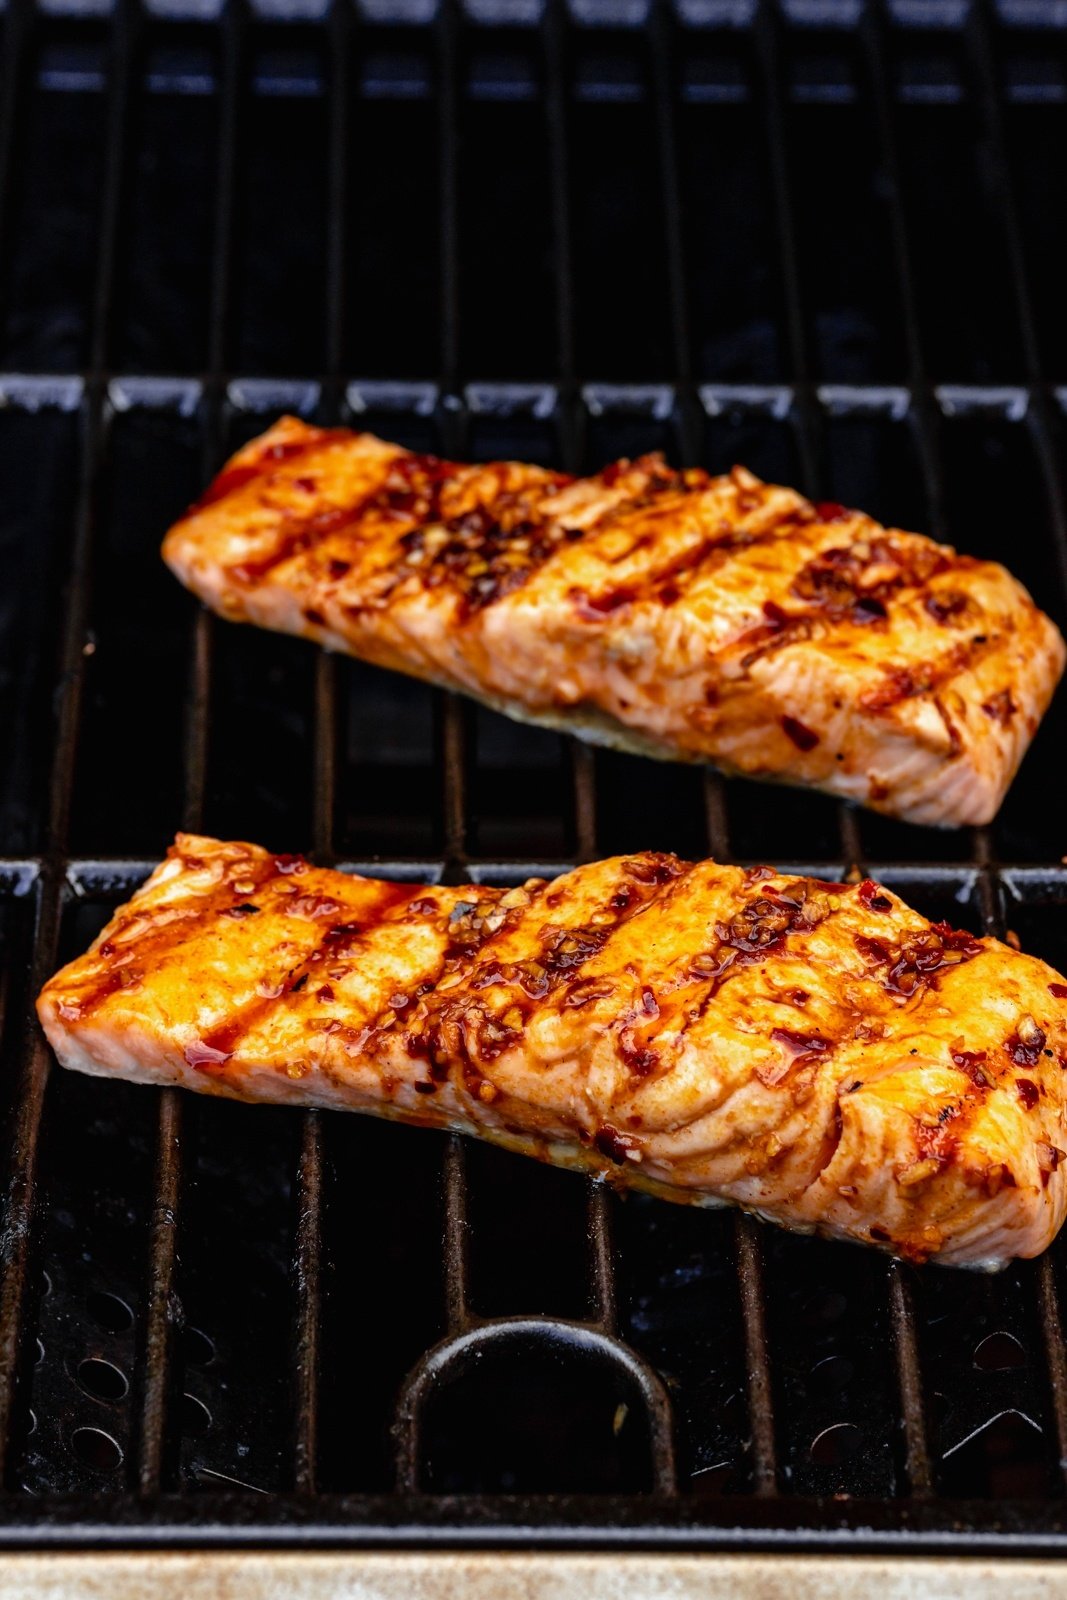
(831, 1375)
(197, 1347)
(96, 1448)
(835, 1445)
(38, 1354)
(109, 1312)
(999, 1351)
(196, 1418)
(102, 1380)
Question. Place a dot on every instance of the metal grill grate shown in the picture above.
(224, 1325)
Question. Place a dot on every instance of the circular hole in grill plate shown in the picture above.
(823, 1308)
(196, 1418)
(533, 1416)
(38, 1354)
(102, 1380)
(109, 1312)
(197, 1348)
(999, 1351)
(831, 1375)
(834, 1446)
(96, 1448)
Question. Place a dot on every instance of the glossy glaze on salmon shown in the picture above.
(669, 613)
(816, 1052)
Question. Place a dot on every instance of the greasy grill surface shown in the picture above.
(829, 254)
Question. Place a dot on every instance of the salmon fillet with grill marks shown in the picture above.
(669, 613)
(815, 1052)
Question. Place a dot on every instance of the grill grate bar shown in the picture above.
(308, 1243)
(162, 1308)
(571, 412)
(1038, 406)
(909, 1380)
(749, 1250)
(663, 77)
(18, 24)
(923, 410)
(15, 1253)
(984, 67)
(307, 1280)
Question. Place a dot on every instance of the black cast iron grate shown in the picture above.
(829, 251)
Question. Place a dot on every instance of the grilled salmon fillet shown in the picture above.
(815, 1052)
(667, 613)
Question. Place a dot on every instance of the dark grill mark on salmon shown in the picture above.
(234, 478)
(920, 957)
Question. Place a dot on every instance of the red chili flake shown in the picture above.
(775, 614)
(831, 511)
(295, 988)
(108, 949)
(204, 1057)
(425, 1088)
(1001, 708)
(945, 606)
(1049, 1155)
(611, 1143)
(872, 897)
(1027, 1092)
(1058, 989)
(867, 608)
(315, 617)
(309, 485)
(602, 605)
(669, 594)
(802, 736)
(325, 993)
(244, 910)
(338, 569)
(970, 1062)
(1026, 1045)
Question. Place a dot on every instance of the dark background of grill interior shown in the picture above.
(834, 253)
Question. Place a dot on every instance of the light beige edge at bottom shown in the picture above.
(289, 1575)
